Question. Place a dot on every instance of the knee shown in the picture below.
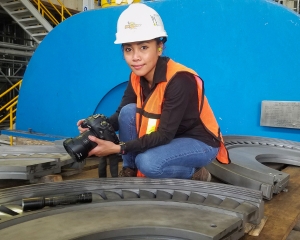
(127, 110)
(147, 166)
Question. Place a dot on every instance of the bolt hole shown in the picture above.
(213, 225)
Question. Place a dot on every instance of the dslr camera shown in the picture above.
(98, 126)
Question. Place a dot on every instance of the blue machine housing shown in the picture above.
(246, 51)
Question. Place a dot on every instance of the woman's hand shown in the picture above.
(81, 130)
(104, 147)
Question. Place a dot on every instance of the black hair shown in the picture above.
(161, 40)
(158, 41)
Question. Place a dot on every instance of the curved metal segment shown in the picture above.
(149, 233)
(142, 187)
(247, 154)
(247, 158)
(233, 174)
(279, 158)
(133, 207)
(116, 189)
(252, 140)
(190, 221)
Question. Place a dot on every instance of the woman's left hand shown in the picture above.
(104, 147)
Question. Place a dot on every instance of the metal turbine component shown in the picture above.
(246, 170)
(135, 208)
(28, 168)
(107, 97)
(31, 162)
(32, 149)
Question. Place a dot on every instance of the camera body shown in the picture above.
(98, 126)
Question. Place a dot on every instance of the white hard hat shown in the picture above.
(139, 23)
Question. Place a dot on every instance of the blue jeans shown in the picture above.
(177, 159)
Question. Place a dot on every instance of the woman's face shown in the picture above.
(141, 57)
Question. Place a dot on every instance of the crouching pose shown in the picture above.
(166, 126)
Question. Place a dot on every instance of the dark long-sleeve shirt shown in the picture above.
(180, 113)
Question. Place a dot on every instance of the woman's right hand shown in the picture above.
(81, 130)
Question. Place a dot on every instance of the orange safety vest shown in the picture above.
(149, 112)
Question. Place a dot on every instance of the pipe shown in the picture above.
(16, 52)
(16, 46)
(14, 61)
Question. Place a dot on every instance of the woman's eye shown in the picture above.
(127, 49)
(144, 47)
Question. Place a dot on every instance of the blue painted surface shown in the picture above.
(246, 51)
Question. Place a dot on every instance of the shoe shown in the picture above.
(202, 174)
(127, 172)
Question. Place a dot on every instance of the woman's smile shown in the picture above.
(138, 67)
(142, 57)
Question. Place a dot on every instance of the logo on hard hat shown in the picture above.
(132, 25)
(156, 20)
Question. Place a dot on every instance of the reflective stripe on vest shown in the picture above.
(149, 112)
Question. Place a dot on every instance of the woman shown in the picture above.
(165, 123)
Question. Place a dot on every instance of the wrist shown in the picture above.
(122, 148)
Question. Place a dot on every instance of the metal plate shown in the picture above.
(27, 162)
(32, 149)
(280, 114)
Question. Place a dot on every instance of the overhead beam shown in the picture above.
(3, 80)
(12, 61)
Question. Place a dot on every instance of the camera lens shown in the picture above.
(79, 147)
(99, 127)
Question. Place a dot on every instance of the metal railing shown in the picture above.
(11, 108)
(62, 10)
(46, 13)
